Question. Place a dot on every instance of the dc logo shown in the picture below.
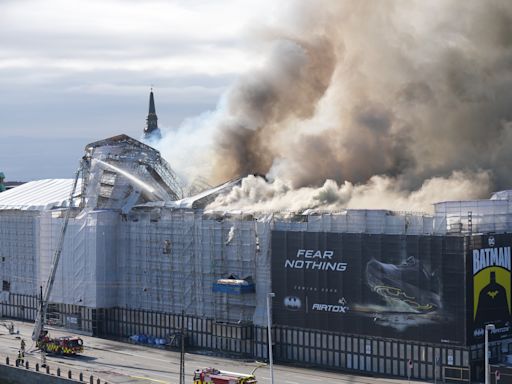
(491, 241)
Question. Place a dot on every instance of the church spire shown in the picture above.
(152, 103)
(151, 131)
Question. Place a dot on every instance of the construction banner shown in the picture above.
(406, 287)
(489, 286)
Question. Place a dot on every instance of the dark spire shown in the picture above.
(151, 103)
(151, 130)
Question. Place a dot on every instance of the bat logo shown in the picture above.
(292, 303)
(492, 293)
(491, 241)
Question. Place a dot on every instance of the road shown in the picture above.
(125, 363)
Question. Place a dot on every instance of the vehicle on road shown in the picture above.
(214, 376)
(66, 345)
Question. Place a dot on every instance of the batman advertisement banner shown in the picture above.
(489, 288)
(409, 287)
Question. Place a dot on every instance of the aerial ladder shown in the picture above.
(62, 345)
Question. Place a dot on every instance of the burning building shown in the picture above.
(396, 97)
(356, 290)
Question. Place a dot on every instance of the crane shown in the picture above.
(63, 345)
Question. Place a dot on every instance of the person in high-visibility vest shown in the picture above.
(20, 360)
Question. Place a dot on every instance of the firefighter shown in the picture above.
(21, 358)
(43, 359)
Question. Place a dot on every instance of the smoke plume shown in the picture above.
(393, 104)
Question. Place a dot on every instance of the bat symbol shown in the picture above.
(292, 303)
(493, 293)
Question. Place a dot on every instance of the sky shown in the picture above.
(76, 71)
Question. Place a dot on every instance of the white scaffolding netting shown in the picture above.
(86, 272)
(19, 250)
(173, 258)
(133, 248)
(360, 221)
(477, 216)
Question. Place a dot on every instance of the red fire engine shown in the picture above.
(214, 376)
(60, 345)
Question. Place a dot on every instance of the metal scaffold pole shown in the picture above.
(182, 354)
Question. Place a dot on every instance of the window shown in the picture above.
(6, 286)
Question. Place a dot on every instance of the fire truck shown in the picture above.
(214, 376)
(60, 345)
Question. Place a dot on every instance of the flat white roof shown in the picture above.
(39, 195)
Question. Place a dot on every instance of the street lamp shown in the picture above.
(270, 295)
(488, 327)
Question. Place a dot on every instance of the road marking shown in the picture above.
(147, 378)
(130, 354)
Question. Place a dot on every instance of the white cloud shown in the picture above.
(207, 21)
(81, 34)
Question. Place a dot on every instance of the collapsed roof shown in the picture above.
(117, 173)
(120, 172)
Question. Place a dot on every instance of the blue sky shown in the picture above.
(76, 71)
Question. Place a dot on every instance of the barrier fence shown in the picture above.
(314, 348)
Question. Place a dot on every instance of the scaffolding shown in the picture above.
(19, 250)
(132, 245)
(474, 216)
(172, 258)
(121, 172)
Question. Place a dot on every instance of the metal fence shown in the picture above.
(314, 348)
(18, 306)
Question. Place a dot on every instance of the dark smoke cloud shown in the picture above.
(297, 74)
(408, 90)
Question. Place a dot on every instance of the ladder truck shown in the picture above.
(60, 345)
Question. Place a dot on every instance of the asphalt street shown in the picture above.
(123, 363)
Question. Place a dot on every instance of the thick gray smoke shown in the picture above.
(387, 97)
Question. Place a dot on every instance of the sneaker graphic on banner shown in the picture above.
(406, 287)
